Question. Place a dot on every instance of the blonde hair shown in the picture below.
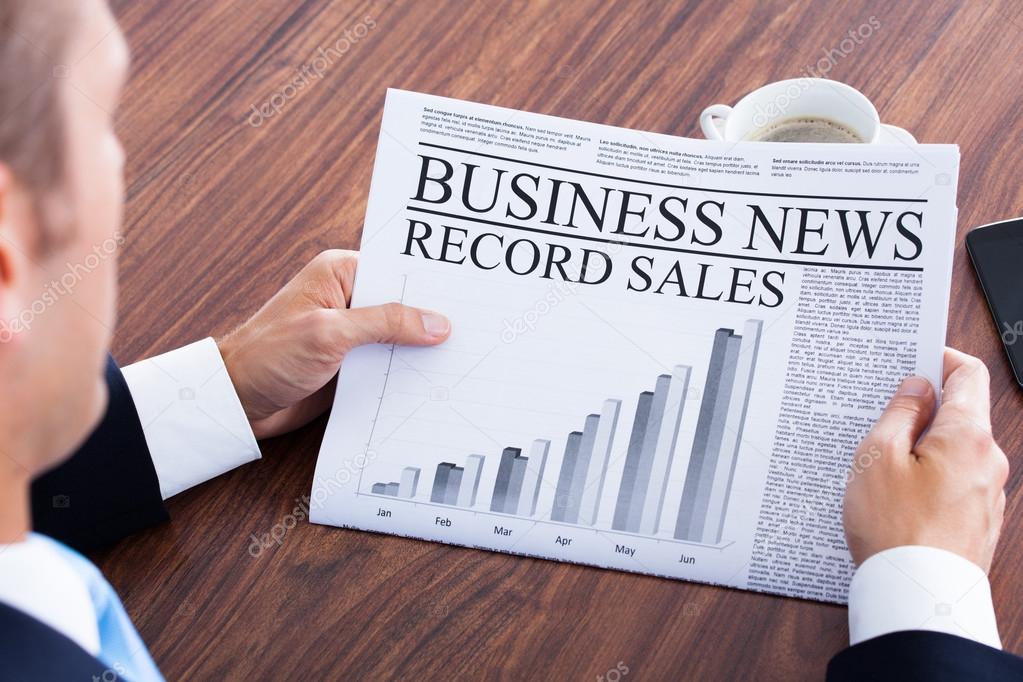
(34, 39)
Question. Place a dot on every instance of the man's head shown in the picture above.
(62, 66)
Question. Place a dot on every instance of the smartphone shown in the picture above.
(997, 254)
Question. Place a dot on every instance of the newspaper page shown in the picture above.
(664, 351)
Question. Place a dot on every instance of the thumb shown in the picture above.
(904, 420)
(395, 323)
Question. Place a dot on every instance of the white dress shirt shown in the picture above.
(35, 579)
(194, 424)
(921, 588)
(196, 429)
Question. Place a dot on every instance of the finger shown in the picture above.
(966, 393)
(953, 360)
(344, 265)
(296, 416)
(904, 419)
(395, 323)
(330, 277)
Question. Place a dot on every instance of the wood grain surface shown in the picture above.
(221, 212)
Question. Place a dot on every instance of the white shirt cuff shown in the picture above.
(921, 588)
(193, 422)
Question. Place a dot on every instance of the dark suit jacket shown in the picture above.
(918, 655)
(109, 489)
(106, 490)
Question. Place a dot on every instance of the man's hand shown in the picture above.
(944, 490)
(284, 359)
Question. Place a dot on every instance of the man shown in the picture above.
(60, 210)
(919, 512)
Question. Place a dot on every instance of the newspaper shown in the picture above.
(665, 351)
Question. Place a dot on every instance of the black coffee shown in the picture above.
(806, 130)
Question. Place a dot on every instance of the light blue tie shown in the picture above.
(121, 648)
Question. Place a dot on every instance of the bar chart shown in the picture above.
(650, 451)
(457, 485)
(586, 454)
(701, 514)
(719, 430)
(637, 501)
(406, 487)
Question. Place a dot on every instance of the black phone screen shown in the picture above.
(997, 253)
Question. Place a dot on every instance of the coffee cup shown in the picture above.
(801, 110)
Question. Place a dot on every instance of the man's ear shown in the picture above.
(6, 231)
(10, 244)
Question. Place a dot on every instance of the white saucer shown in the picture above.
(894, 135)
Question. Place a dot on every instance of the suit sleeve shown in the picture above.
(108, 489)
(923, 655)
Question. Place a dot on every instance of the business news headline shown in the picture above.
(703, 244)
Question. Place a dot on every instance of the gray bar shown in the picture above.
(504, 471)
(692, 510)
(646, 458)
(409, 482)
(534, 477)
(582, 466)
(440, 482)
(470, 481)
(378, 488)
(511, 502)
(597, 473)
(454, 483)
(664, 451)
(564, 489)
(621, 517)
(391, 489)
(735, 421)
(716, 436)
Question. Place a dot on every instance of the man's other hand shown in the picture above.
(284, 359)
(943, 490)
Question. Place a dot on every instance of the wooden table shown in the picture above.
(221, 212)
